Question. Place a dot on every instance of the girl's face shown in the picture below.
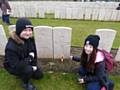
(26, 33)
(88, 49)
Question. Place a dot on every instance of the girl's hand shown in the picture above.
(62, 58)
(71, 57)
(81, 80)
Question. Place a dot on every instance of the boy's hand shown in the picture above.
(34, 68)
(32, 54)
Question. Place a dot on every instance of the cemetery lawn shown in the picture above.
(80, 28)
(51, 81)
(59, 80)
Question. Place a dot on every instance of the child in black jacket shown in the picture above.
(21, 54)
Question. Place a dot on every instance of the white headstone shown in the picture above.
(117, 57)
(22, 11)
(62, 42)
(81, 12)
(16, 10)
(102, 13)
(60, 12)
(3, 40)
(57, 15)
(88, 13)
(41, 12)
(75, 13)
(43, 39)
(95, 12)
(30, 11)
(106, 38)
(108, 15)
(69, 13)
(118, 15)
(114, 15)
(11, 28)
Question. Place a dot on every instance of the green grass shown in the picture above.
(51, 81)
(80, 28)
(58, 81)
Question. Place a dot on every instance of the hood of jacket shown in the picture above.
(16, 38)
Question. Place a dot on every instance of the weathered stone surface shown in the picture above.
(62, 41)
(43, 39)
(3, 40)
(106, 38)
(60, 12)
(41, 12)
(30, 11)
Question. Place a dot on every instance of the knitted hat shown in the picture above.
(92, 40)
(21, 24)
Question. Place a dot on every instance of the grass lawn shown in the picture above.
(59, 81)
(51, 81)
(80, 28)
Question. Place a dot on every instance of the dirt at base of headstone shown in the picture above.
(66, 65)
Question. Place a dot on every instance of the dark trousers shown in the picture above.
(26, 74)
(95, 85)
(5, 19)
(91, 85)
(110, 85)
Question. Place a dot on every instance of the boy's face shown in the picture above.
(26, 33)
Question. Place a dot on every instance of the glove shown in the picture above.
(34, 68)
(32, 54)
(33, 61)
(30, 58)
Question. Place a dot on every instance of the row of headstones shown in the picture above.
(67, 10)
(88, 13)
(55, 42)
(51, 42)
(50, 6)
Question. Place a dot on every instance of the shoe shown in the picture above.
(29, 86)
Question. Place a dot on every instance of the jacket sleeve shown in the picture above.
(76, 58)
(100, 74)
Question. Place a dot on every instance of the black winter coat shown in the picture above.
(17, 53)
(99, 75)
